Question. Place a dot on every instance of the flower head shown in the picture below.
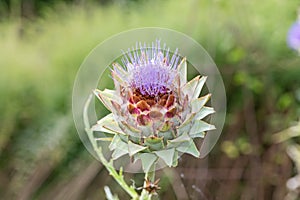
(156, 113)
(151, 72)
(293, 38)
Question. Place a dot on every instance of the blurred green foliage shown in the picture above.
(41, 154)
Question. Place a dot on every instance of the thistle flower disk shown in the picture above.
(150, 71)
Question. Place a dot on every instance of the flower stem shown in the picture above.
(109, 195)
(108, 165)
(117, 176)
(151, 174)
(145, 195)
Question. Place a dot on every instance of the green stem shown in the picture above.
(148, 176)
(109, 195)
(145, 195)
(117, 176)
(108, 165)
(151, 174)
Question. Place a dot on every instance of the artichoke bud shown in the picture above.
(156, 113)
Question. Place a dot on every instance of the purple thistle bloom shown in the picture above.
(151, 71)
(293, 38)
(156, 112)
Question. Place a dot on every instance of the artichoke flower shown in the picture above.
(155, 113)
(293, 37)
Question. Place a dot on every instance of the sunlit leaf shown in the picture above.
(154, 143)
(200, 126)
(167, 155)
(198, 103)
(148, 160)
(134, 148)
(204, 111)
(199, 87)
(120, 150)
(182, 68)
(189, 148)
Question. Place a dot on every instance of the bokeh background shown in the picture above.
(43, 43)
